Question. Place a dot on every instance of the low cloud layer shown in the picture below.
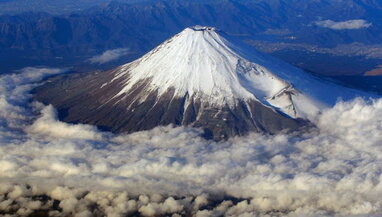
(349, 24)
(64, 169)
(109, 55)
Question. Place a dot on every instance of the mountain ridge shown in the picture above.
(70, 39)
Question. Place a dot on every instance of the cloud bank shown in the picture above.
(109, 55)
(59, 169)
(349, 24)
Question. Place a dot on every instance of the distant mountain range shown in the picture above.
(291, 27)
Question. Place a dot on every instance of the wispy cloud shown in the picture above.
(349, 24)
(109, 55)
(335, 169)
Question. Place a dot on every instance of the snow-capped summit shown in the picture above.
(200, 77)
(201, 63)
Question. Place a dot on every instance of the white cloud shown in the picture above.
(109, 56)
(334, 170)
(349, 24)
(48, 125)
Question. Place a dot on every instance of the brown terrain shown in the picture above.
(374, 72)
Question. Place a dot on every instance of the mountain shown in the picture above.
(201, 77)
(285, 28)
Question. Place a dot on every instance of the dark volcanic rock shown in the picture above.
(79, 99)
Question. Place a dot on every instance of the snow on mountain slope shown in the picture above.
(201, 62)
